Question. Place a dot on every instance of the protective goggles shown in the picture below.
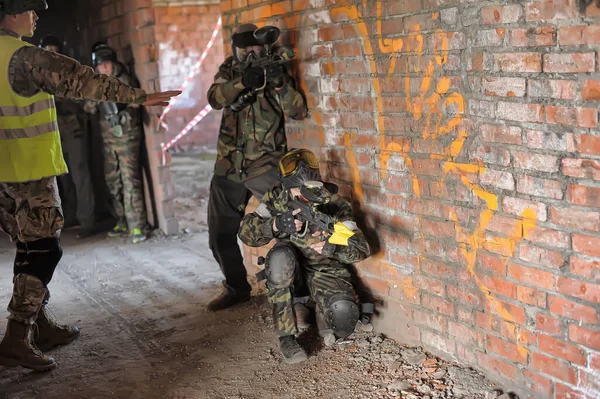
(249, 54)
(289, 164)
(14, 7)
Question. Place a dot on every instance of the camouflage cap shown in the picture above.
(14, 7)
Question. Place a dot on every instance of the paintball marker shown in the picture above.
(266, 36)
(316, 194)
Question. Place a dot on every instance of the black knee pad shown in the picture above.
(342, 315)
(38, 258)
(280, 266)
(21, 255)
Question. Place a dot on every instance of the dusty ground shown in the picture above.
(146, 334)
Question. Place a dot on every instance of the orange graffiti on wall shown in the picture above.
(430, 106)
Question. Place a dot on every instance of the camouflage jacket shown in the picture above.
(72, 120)
(129, 114)
(251, 141)
(33, 69)
(257, 229)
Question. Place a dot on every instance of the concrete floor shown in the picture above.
(146, 333)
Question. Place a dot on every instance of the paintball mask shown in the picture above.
(246, 48)
(251, 44)
(297, 167)
(14, 7)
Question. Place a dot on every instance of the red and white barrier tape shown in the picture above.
(192, 73)
(185, 131)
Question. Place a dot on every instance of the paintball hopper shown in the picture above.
(267, 35)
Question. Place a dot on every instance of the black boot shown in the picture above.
(227, 299)
(50, 334)
(16, 349)
(290, 349)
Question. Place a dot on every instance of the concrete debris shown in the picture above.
(413, 357)
(401, 385)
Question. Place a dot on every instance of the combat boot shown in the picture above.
(51, 334)
(16, 349)
(228, 298)
(292, 351)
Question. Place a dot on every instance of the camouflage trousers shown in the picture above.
(123, 174)
(31, 215)
(30, 211)
(321, 281)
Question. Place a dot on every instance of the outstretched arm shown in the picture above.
(62, 76)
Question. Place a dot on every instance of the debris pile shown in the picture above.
(398, 371)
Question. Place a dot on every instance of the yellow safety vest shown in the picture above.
(30, 146)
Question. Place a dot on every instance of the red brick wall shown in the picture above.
(182, 34)
(468, 135)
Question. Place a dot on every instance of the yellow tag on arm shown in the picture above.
(341, 234)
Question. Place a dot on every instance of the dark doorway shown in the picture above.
(70, 22)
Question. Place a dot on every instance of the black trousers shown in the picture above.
(226, 208)
(77, 185)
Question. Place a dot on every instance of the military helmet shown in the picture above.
(14, 7)
(102, 52)
(51, 40)
(298, 166)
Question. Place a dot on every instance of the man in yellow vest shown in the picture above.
(30, 159)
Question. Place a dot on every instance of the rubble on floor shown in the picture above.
(395, 371)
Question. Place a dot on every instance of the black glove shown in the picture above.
(275, 75)
(286, 223)
(254, 77)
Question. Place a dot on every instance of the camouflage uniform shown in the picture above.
(30, 212)
(323, 275)
(72, 122)
(122, 168)
(249, 146)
